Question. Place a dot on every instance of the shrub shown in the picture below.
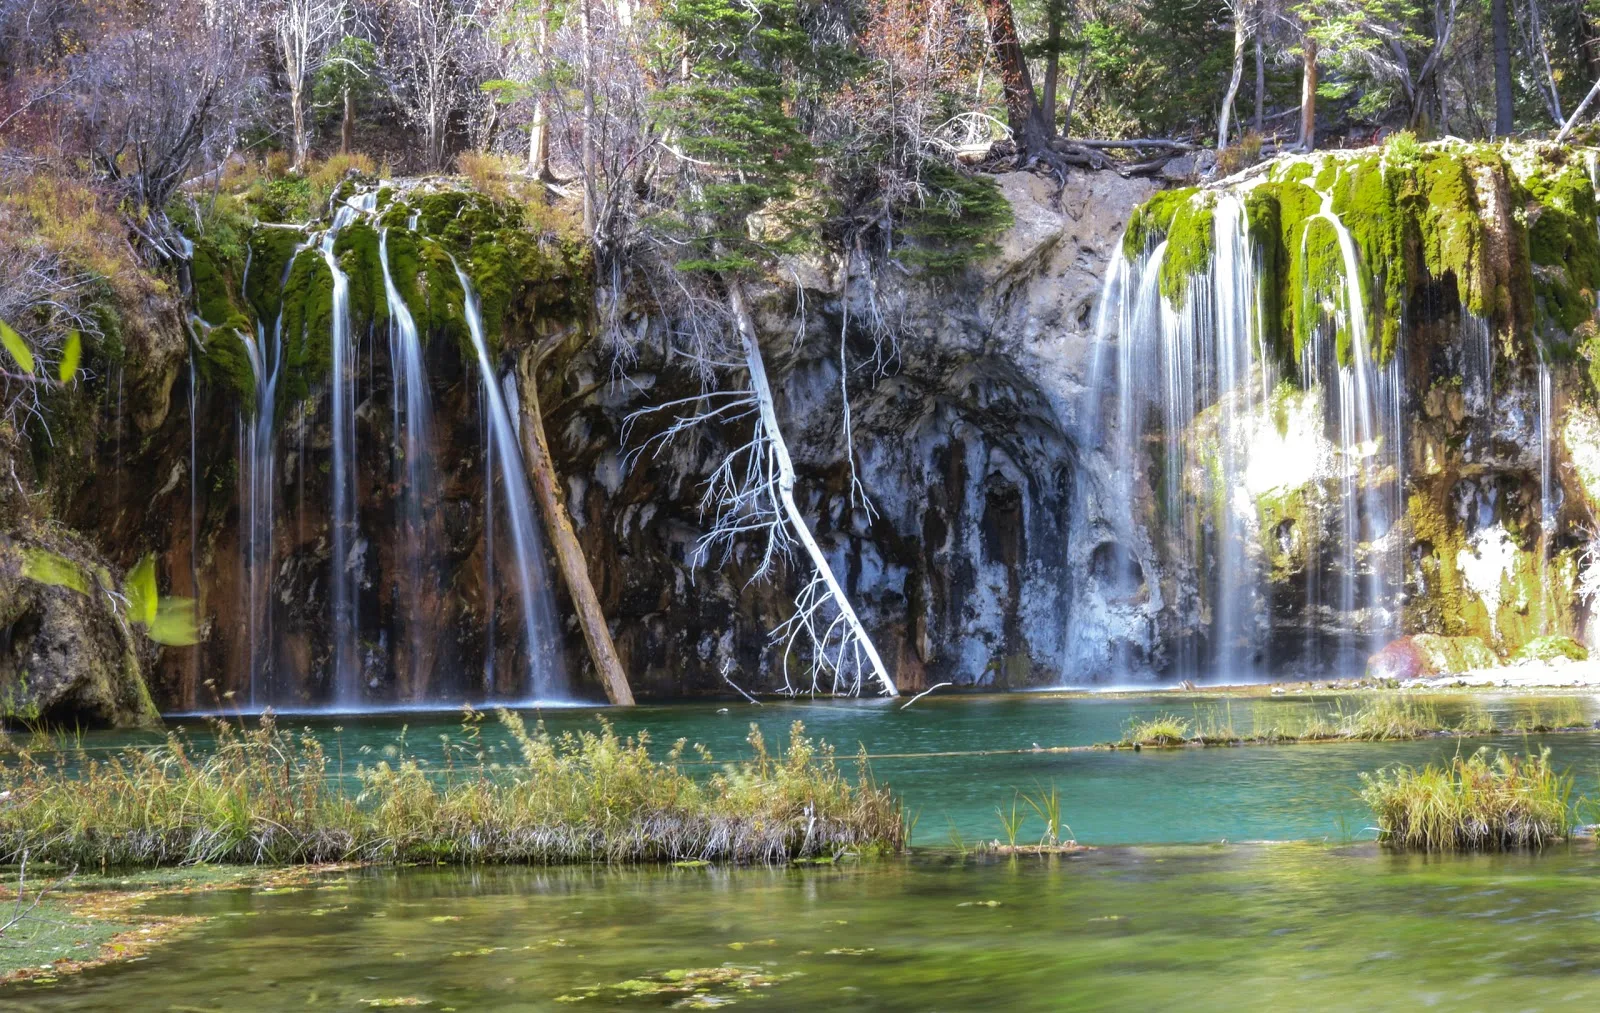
(1473, 804)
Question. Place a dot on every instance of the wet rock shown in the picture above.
(1551, 648)
(68, 655)
(1427, 654)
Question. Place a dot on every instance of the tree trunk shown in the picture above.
(588, 121)
(1502, 68)
(1261, 85)
(1577, 113)
(1240, 33)
(569, 553)
(1308, 97)
(1536, 29)
(539, 132)
(1028, 127)
(347, 125)
(297, 110)
(1052, 64)
(785, 466)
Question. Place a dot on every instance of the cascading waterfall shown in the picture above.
(1215, 381)
(343, 520)
(413, 452)
(1208, 358)
(540, 632)
(1367, 415)
(258, 486)
(408, 557)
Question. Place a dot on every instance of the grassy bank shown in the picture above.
(1381, 719)
(1474, 803)
(266, 796)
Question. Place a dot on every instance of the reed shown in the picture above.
(263, 795)
(1551, 715)
(1011, 821)
(1475, 803)
(1390, 718)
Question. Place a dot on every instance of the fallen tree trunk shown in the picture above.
(569, 554)
(856, 632)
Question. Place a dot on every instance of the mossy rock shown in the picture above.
(1563, 246)
(225, 361)
(1427, 655)
(307, 325)
(1550, 648)
(271, 250)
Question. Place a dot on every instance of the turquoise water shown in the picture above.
(1207, 928)
(1154, 796)
(1144, 920)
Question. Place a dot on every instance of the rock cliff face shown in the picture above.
(960, 554)
(1047, 486)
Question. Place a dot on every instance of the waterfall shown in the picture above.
(1367, 417)
(1548, 506)
(1207, 356)
(343, 517)
(1201, 432)
(546, 680)
(414, 475)
(259, 488)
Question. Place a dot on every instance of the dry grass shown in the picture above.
(266, 796)
(1473, 804)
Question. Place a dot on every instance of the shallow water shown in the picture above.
(1209, 928)
(1154, 796)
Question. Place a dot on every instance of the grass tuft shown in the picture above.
(1162, 730)
(1473, 804)
(266, 796)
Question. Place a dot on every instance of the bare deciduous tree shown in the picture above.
(423, 53)
(303, 30)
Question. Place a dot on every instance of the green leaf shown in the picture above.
(143, 600)
(49, 568)
(176, 623)
(16, 346)
(70, 356)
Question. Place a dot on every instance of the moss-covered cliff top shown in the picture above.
(252, 276)
(1510, 230)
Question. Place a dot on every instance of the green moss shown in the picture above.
(1278, 213)
(1150, 221)
(1190, 246)
(356, 248)
(1452, 230)
(307, 325)
(1365, 197)
(271, 249)
(441, 307)
(1564, 247)
(1549, 648)
(227, 362)
(212, 299)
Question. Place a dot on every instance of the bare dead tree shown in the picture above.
(303, 30)
(1242, 29)
(160, 90)
(423, 54)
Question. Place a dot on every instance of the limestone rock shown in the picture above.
(67, 654)
(1428, 654)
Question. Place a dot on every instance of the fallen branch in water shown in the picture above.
(919, 696)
